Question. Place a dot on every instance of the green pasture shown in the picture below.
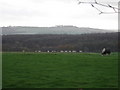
(59, 70)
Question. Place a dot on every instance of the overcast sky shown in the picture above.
(49, 13)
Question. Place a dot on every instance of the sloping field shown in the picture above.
(59, 70)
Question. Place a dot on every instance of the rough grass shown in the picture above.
(60, 70)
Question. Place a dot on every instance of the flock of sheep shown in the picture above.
(105, 51)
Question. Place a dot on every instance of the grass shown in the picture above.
(0, 70)
(59, 70)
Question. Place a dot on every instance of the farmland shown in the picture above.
(59, 70)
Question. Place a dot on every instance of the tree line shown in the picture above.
(84, 42)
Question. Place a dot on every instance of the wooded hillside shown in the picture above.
(84, 42)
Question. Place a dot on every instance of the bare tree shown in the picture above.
(115, 9)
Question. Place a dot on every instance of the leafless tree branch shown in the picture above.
(115, 9)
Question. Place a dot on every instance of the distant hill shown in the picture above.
(14, 30)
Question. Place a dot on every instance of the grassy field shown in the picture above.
(0, 70)
(59, 70)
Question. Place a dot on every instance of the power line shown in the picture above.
(115, 9)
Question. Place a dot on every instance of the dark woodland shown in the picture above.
(47, 42)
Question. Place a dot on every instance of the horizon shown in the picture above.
(63, 26)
